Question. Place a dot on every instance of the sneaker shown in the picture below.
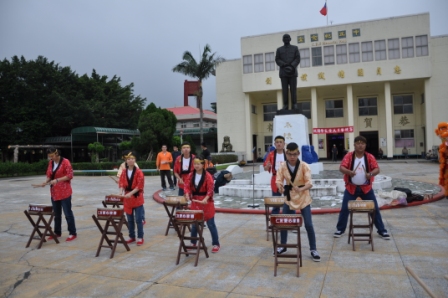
(164, 189)
(144, 222)
(205, 226)
(385, 236)
(51, 237)
(280, 250)
(140, 241)
(315, 256)
(172, 188)
(70, 238)
(130, 240)
(338, 234)
(215, 248)
(193, 246)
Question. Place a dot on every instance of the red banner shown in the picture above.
(342, 129)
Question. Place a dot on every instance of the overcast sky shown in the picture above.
(141, 41)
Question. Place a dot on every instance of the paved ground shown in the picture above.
(243, 267)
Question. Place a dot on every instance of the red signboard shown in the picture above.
(342, 129)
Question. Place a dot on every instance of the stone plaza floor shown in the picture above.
(244, 267)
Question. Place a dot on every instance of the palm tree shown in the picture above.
(200, 71)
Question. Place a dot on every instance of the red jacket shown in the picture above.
(270, 158)
(347, 163)
(206, 189)
(178, 168)
(138, 182)
(63, 189)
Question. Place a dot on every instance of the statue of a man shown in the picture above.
(287, 58)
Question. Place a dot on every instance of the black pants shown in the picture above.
(166, 173)
(292, 83)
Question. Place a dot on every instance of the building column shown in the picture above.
(389, 124)
(429, 125)
(247, 112)
(314, 118)
(351, 120)
(279, 99)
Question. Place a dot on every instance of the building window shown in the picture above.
(404, 138)
(367, 106)
(334, 109)
(367, 51)
(205, 124)
(407, 47)
(258, 63)
(267, 143)
(247, 64)
(341, 53)
(183, 125)
(394, 48)
(421, 45)
(380, 50)
(195, 124)
(353, 52)
(329, 55)
(403, 104)
(304, 58)
(269, 111)
(254, 109)
(304, 108)
(317, 56)
(270, 61)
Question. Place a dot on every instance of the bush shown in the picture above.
(23, 168)
(224, 158)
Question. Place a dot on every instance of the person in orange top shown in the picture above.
(183, 166)
(164, 159)
(131, 183)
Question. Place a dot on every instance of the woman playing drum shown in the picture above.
(199, 189)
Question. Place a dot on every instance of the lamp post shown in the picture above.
(181, 133)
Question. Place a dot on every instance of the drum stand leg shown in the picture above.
(200, 245)
(48, 231)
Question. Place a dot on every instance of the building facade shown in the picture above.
(188, 123)
(384, 79)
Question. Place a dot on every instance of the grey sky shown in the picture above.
(140, 41)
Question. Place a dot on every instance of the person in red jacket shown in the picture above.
(198, 188)
(183, 166)
(131, 183)
(272, 164)
(59, 174)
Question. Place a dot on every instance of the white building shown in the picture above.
(386, 78)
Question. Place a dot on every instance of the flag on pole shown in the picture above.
(323, 11)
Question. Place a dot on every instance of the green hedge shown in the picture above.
(224, 158)
(40, 167)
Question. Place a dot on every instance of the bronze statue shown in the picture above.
(226, 146)
(287, 58)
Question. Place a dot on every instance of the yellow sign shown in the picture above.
(360, 72)
(314, 37)
(321, 76)
(397, 69)
(378, 71)
(304, 77)
(301, 39)
(341, 74)
(268, 81)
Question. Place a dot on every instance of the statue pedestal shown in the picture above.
(294, 128)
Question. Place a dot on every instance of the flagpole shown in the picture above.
(327, 11)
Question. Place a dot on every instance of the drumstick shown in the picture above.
(364, 168)
(38, 185)
(357, 167)
(116, 181)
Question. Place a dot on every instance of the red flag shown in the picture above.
(323, 11)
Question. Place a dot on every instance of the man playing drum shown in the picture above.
(294, 180)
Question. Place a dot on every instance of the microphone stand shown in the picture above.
(253, 205)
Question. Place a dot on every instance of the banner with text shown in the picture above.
(342, 129)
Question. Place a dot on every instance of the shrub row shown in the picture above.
(224, 158)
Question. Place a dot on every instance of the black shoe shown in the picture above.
(338, 234)
(315, 256)
(280, 250)
(385, 236)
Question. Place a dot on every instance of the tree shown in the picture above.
(157, 127)
(39, 99)
(95, 149)
(200, 71)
